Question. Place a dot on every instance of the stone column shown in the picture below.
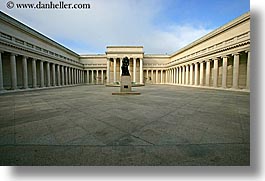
(13, 71)
(183, 76)
(141, 71)
(97, 77)
(59, 75)
(180, 75)
(196, 74)
(224, 73)
(87, 77)
(177, 75)
(208, 66)
(215, 73)
(78, 76)
(41, 74)
(147, 76)
(134, 70)
(108, 71)
(74, 76)
(171, 76)
(92, 77)
(83, 76)
(174, 75)
(71, 78)
(114, 71)
(25, 72)
(248, 71)
(62, 69)
(69, 75)
(187, 74)
(161, 82)
(102, 77)
(120, 66)
(48, 74)
(34, 73)
(152, 76)
(66, 75)
(166, 77)
(201, 73)
(1, 72)
(191, 74)
(236, 70)
(156, 76)
(53, 75)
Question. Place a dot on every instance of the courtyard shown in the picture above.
(86, 125)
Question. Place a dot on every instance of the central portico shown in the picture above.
(115, 54)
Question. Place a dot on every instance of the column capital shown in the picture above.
(247, 51)
(13, 54)
(224, 56)
(236, 54)
(214, 58)
(26, 57)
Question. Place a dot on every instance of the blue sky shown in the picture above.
(161, 26)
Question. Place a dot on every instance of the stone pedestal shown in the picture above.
(126, 87)
(126, 84)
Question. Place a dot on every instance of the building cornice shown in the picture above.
(92, 56)
(31, 31)
(126, 46)
(219, 30)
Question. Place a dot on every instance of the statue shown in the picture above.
(124, 67)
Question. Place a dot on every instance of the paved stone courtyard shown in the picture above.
(86, 125)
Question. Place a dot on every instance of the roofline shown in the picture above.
(126, 46)
(219, 30)
(92, 55)
(34, 32)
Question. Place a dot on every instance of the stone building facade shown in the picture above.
(30, 60)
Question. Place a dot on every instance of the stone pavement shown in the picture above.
(86, 125)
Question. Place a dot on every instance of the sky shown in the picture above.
(161, 26)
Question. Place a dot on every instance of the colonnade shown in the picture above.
(41, 73)
(117, 69)
(212, 72)
(95, 76)
(228, 71)
(155, 76)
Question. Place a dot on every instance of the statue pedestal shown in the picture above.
(126, 87)
(126, 84)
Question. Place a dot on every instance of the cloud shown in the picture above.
(112, 22)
